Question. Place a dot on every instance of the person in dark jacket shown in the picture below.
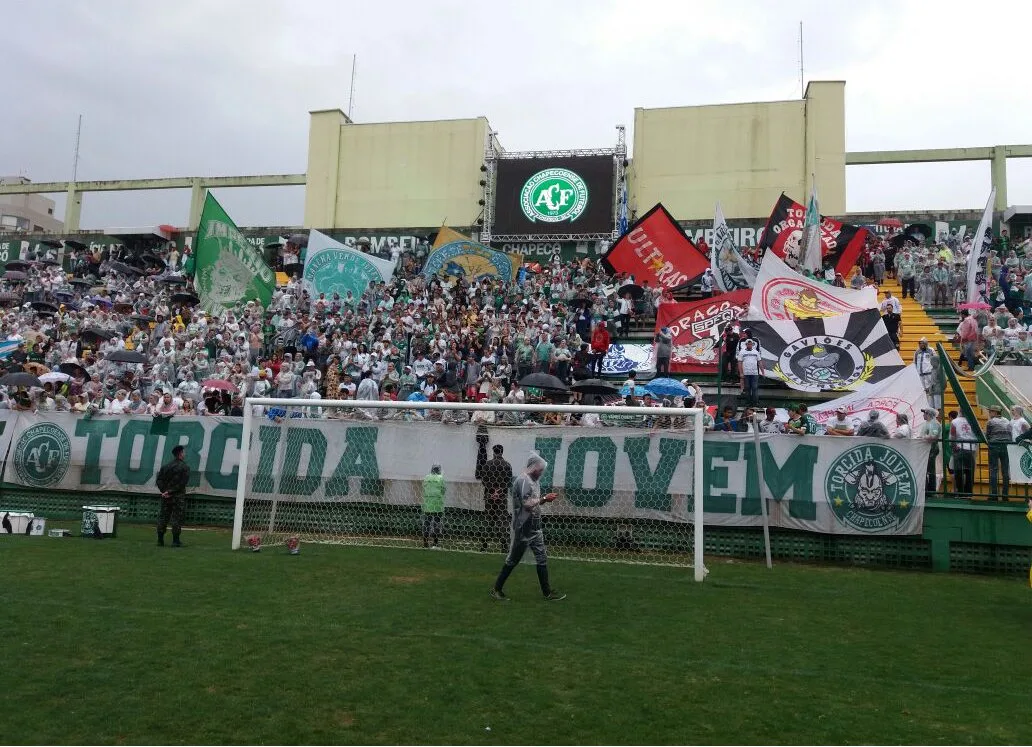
(496, 476)
(172, 480)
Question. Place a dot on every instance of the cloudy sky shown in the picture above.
(223, 87)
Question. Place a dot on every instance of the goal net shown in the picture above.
(415, 474)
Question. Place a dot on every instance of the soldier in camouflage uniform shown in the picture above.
(171, 480)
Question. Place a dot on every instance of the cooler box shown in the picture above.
(103, 517)
(14, 522)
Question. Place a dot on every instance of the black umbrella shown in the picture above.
(10, 299)
(298, 239)
(900, 239)
(51, 262)
(595, 386)
(543, 381)
(44, 306)
(100, 335)
(127, 356)
(51, 242)
(919, 229)
(636, 291)
(15, 276)
(18, 265)
(124, 269)
(185, 298)
(20, 378)
(73, 244)
(82, 282)
(74, 370)
(173, 280)
(150, 259)
(64, 296)
(143, 319)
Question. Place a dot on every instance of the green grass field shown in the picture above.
(118, 641)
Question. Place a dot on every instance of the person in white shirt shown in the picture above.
(750, 368)
(902, 426)
(1018, 424)
(119, 405)
(965, 447)
(367, 388)
(841, 425)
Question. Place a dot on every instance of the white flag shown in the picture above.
(978, 260)
(731, 270)
(780, 293)
(900, 393)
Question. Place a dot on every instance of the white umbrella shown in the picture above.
(54, 377)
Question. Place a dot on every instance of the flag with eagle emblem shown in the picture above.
(831, 354)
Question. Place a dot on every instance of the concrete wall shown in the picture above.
(743, 155)
(393, 173)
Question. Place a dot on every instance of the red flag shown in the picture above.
(655, 250)
(696, 327)
(840, 242)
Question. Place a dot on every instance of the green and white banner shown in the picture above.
(821, 484)
(228, 268)
(332, 267)
(1020, 463)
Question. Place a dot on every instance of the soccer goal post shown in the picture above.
(628, 480)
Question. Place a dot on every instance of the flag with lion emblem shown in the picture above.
(832, 354)
(228, 269)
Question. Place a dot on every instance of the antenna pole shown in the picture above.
(75, 160)
(351, 96)
(802, 88)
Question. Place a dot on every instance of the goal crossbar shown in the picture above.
(695, 413)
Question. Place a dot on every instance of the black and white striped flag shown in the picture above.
(832, 354)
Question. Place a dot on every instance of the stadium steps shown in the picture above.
(938, 325)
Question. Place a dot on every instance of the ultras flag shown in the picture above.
(833, 354)
(656, 251)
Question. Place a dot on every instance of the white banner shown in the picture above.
(822, 484)
(332, 267)
(1020, 458)
(900, 393)
(622, 359)
(62, 451)
(782, 294)
(978, 260)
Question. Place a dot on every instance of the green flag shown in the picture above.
(228, 269)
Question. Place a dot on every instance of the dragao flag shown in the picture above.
(833, 354)
(655, 250)
(780, 294)
(840, 242)
(696, 328)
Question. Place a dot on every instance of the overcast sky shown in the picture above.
(223, 87)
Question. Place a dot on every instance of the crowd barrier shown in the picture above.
(861, 500)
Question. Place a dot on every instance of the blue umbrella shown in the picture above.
(639, 391)
(667, 388)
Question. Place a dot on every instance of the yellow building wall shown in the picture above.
(393, 174)
(742, 155)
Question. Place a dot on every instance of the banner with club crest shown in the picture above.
(781, 293)
(833, 354)
(332, 267)
(696, 327)
(228, 269)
